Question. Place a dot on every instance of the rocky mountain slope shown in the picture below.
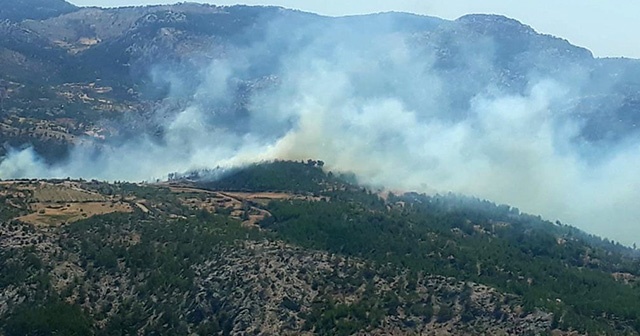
(90, 66)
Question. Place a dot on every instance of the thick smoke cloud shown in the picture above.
(383, 109)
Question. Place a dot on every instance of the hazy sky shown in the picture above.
(608, 28)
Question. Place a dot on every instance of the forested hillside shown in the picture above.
(287, 248)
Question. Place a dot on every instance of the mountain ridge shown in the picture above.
(19, 10)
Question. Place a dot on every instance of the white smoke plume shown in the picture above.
(378, 108)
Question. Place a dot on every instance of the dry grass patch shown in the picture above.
(67, 192)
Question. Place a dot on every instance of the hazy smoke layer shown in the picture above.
(385, 109)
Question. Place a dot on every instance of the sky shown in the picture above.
(607, 28)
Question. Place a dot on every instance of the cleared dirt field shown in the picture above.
(245, 206)
(52, 204)
(53, 214)
(187, 189)
(262, 198)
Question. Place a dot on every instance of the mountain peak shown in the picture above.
(493, 23)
